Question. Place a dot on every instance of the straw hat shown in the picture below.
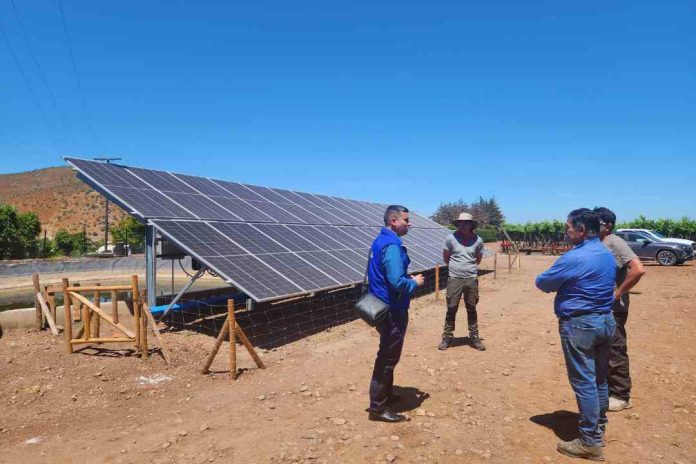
(465, 217)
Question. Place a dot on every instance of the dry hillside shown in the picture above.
(61, 200)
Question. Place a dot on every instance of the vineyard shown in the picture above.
(548, 237)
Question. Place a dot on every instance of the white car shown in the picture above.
(661, 238)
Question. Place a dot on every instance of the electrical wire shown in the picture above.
(24, 75)
(33, 56)
(72, 56)
(185, 272)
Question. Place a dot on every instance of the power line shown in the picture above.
(33, 56)
(24, 75)
(72, 57)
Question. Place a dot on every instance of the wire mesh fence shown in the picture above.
(273, 324)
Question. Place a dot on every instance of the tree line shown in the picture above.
(20, 237)
(676, 228)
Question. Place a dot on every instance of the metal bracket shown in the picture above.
(181, 292)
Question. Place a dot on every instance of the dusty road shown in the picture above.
(509, 404)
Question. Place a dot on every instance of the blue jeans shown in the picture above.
(586, 341)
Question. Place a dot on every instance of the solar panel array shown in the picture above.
(270, 243)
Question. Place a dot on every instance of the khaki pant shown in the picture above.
(456, 290)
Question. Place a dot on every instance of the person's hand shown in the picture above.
(617, 294)
(419, 279)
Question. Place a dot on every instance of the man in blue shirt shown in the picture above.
(583, 280)
(389, 281)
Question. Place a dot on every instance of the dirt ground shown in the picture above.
(509, 404)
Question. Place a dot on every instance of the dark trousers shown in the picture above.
(391, 340)
(456, 289)
(619, 373)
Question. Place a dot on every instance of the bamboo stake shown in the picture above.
(47, 313)
(136, 312)
(97, 320)
(233, 341)
(437, 281)
(51, 302)
(143, 327)
(495, 265)
(67, 321)
(125, 330)
(250, 348)
(105, 288)
(114, 305)
(77, 314)
(37, 305)
(83, 341)
(218, 342)
(86, 322)
(148, 314)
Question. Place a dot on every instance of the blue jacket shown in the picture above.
(583, 278)
(387, 271)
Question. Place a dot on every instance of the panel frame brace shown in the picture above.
(183, 290)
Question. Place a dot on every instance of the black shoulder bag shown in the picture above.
(370, 308)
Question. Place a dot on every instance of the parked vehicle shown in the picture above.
(658, 236)
(664, 252)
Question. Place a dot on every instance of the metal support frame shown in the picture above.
(151, 264)
(181, 292)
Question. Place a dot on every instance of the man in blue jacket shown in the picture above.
(390, 282)
(583, 280)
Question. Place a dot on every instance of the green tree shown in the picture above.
(131, 231)
(18, 233)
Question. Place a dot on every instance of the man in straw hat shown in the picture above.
(462, 253)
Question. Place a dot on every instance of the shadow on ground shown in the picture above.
(563, 423)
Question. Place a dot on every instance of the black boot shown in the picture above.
(445, 343)
(386, 415)
(476, 342)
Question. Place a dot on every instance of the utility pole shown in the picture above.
(106, 209)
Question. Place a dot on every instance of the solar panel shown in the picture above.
(268, 242)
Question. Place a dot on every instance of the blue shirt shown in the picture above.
(583, 280)
(396, 274)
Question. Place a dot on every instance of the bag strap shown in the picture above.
(367, 268)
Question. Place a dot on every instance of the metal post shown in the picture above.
(151, 264)
(106, 226)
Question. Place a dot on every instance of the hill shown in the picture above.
(60, 199)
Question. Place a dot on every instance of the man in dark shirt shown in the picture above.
(629, 271)
(583, 280)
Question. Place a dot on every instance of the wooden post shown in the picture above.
(77, 314)
(97, 320)
(114, 304)
(218, 341)
(136, 311)
(47, 313)
(437, 281)
(519, 261)
(37, 304)
(509, 262)
(155, 330)
(67, 321)
(51, 302)
(250, 348)
(143, 325)
(86, 322)
(495, 265)
(233, 339)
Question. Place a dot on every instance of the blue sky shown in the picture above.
(548, 106)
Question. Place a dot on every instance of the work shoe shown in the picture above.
(445, 343)
(577, 449)
(617, 404)
(386, 415)
(476, 343)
